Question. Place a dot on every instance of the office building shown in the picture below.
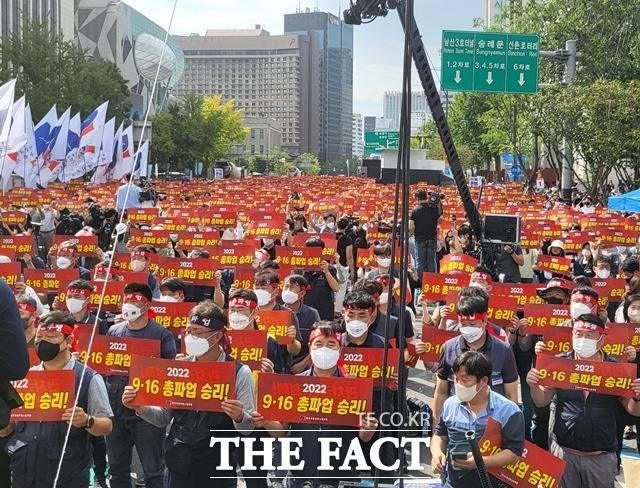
(335, 45)
(392, 104)
(357, 144)
(274, 77)
(57, 15)
(112, 30)
(369, 123)
(265, 135)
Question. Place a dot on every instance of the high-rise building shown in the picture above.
(357, 144)
(268, 76)
(392, 105)
(114, 31)
(335, 46)
(57, 15)
(492, 9)
(369, 123)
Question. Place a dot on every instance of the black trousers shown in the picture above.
(5, 471)
(99, 456)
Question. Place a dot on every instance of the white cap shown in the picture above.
(4, 260)
(557, 243)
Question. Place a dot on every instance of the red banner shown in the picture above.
(457, 262)
(195, 271)
(540, 317)
(634, 339)
(434, 340)
(366, 362)
(313, 399)
(190, 240)
(14, 217)
(142, 215)
(111, 355)
(19, 244)
(226, 254)
(155, 238)
(307, 258)
(183, 385)
(267, 228)
(524, 293)
(209, 218)
(87, 245)
(558, 340)
(276, 323)
(248, 346)
(436, 286)
(46, 395)
(610, 289)
(50, 280)
(598, 376)
(173, 224)
(554, 264)
(11, 273)
(535, 468)
(174, 316)
(611, 237)
(112, 297)
(502, 309)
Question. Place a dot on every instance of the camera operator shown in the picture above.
(507, 262)
(148, 196)
(423, 224)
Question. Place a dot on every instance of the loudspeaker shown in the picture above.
(430, 176)
(372, 168)
(502, 228)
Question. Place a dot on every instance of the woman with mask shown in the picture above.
(325, 350)
(468, 409)
(553, 248)
(189, 458)
(583, 264)
(140, 260)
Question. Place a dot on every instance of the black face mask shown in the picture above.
(47, 351)
(554, 301)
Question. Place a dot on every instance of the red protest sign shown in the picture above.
(244, 278)
(10, 273)
(227, 254)
(112, 297)
(213, 219)
(266, 229)
(524, 293)
(172, 224)
(174, 316)
(182, 385)
(434, 340)
(617, 339)
(276, 323)
(530, 238)
(14, 217)
(457, 262)
(142, 215)
(611, 237)
(610, 289)
(50, 280)
(634, 328)
(436, 286)
(536, 467)
(313, 399)
(539, 317)
(18, 244)
(190, 240)
(598, 376)
(111, 355)
(366, 362)
(502, 309)
(195, 271)
(558, 340)
(554, 264)
(45, 395)
(155, 238)
(248, 346)
(86, 245)
(307, 258)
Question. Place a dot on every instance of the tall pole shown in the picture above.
(567, 164)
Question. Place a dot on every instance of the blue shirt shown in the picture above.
(456, 419)
(133, 199)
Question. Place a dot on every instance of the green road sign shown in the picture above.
(490, 62)
(376, 140)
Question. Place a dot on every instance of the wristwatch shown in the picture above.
(90, 421)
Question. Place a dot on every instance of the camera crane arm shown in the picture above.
(437, 111)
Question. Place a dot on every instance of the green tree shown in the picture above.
(265, 163)
(163, 149)
(223, 126)
(51, 70)
(313, 160)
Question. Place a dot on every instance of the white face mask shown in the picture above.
(586, 254)
(324, 357)
(238, 321)
(356, 328)
(74, 305)
(621, 249)
(603, 273)
(331, 225)
(130, 312)
(62, 262)
(471, 334)
(264, 297)
(138, 265)
(466, 393)
(384, 298)
(167, 299)
(196, 346)
(578, 309)
(267, 242)
(585, 348)
(289, 297)
(383, 262)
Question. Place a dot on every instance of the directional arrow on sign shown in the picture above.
(489, 78)
(457, 79)
(521, 79)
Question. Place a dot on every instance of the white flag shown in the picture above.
(142, 158)
(91, 134)
(74, 166)
(7, 92)
(17, 139)
(27, 166)
(124, 163)
(55, 154)
(105, 156)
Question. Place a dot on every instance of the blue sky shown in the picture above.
(377, 65)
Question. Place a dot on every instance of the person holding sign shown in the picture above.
(470, 408)
(67, 258)
(325, 350)
(243, 304)
(472, 317)
(77, 303)
(29, 316)
(190, 460)
(584, 434)
(140, 260)
(130, 430)
(35, 447)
